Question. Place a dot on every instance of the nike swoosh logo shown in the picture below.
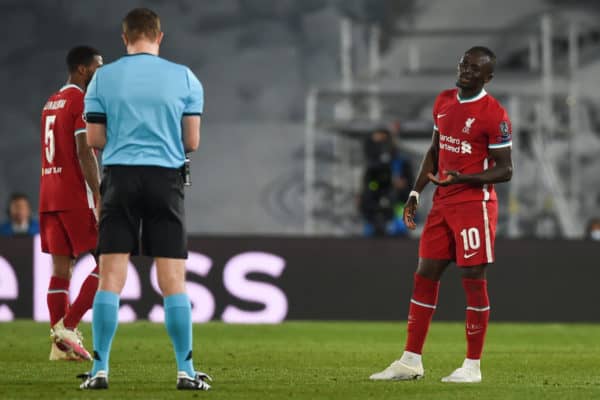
(474, 332)
(470, 255)
(441, 115)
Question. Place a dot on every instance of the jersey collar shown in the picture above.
(479, 96)
(143, 53)
(70, 85)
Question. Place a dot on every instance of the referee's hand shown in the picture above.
(410, 210)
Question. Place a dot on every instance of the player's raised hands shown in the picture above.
(452, 177)
(410, 210)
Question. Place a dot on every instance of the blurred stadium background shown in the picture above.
(291, 85)
(294, 89)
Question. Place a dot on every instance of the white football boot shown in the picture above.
(69, 340)
(56, 354)
(408, 367)
(470, 372)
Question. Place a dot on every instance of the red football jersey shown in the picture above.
(468, 128)
(62, 186)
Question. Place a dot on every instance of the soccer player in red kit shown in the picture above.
(69, 194)
(470, 151)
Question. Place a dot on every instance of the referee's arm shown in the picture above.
(95, 115)
(194, 106)
(191, 132)
(96, 135)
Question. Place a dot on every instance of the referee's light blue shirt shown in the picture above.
(142, 99)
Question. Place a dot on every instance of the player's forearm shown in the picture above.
(429, 164)
(496, 174)
(89, 168)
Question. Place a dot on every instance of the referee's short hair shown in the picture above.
(141, 22)
(80, 55)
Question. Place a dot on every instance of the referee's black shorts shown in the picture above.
(147, 198)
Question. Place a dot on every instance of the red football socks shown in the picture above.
(84, 300)
(420, 312)
(478, 314)
(57, 298)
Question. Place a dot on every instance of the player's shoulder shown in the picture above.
(64, 98)
(445, 98)
(74, 96)
(494, 106)
(73, 92)
(447, 95)
(54, 96)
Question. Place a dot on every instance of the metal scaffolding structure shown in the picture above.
(537, 114)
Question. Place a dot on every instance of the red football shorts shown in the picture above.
(68, 232)
(463, 233)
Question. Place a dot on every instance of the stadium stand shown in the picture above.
(284, 48)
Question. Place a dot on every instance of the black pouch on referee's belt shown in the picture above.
(186, 172)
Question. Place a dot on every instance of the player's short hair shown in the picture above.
(141, 22)
(486, 51)
(80, 55)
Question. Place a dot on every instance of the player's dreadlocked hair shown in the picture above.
(485, 51)
(80, 55)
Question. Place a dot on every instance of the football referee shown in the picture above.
(144, 113)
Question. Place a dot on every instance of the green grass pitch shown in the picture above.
(311, 360)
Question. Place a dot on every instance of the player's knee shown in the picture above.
(431, 269)
(62, 273)
(62, 267)
(429, 274)
(475, 272)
